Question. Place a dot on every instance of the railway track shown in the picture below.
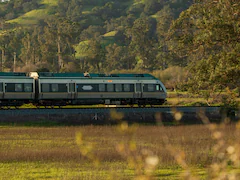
(35, 111)
(110, 114)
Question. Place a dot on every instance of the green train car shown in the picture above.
(16, 89)
(59, 89)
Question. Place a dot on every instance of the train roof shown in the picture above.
(13, 74)
(73, 75)
(92, 75)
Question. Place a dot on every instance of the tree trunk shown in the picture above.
(2, 60)
(14, 61)
(60, 60)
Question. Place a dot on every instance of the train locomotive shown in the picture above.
(60, 89)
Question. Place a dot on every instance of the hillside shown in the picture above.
(48, 8)
(99, 22)
(124, 36)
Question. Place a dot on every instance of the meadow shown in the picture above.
(120, 152)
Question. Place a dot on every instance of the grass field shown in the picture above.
(188, 99)
(119, 152)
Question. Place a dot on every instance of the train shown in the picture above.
(61, 89)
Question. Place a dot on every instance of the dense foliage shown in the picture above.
(112, 35)
(83, 35)
(207, 35)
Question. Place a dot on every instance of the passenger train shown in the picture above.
(60, 89)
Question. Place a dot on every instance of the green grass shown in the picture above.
(69, 170)
(88, 9)
(71, 152)
(188, 99)
(110, 34)
(41, 170)
(32, 17)
(50, 2)
(187, 102)
(138, 2)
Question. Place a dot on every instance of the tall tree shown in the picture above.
(143, 41)
(119, 58)
(97, 55)
(165, 58)
(208, 34)
(59, 35)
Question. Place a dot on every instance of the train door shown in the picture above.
(2, 90)
(72, 90)
(138, 90)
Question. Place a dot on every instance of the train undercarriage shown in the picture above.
(65, 102)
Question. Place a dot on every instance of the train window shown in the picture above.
(10, 87)
(126, 87)
(138, 87)
(1, 87)
(45, 87)
(151, 87)
(118, 87)
(102, 88)
(145, 87)
(18, 87)
(159, 88)
(62, 87)
(87, 88)
(54, 87)
(28, 87)
(131, 87)
(110, 87)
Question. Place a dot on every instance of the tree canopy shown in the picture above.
(207, 35)
(112, 35)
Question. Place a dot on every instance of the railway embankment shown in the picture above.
(110, 115)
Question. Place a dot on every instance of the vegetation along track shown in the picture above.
(111, 115)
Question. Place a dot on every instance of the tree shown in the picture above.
(118, 58)
(9, 46)
(91, 53)
(59, 36)
(153, 6)
(165, 57)
(208, 35)
(96, 54)
(143, 41)
(4, 40)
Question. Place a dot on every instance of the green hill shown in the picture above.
(119, 33)
(48, 8)
(33, 16)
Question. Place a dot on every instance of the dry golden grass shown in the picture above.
(60, 144)
(140, 151)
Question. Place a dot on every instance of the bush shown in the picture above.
(173, 77)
